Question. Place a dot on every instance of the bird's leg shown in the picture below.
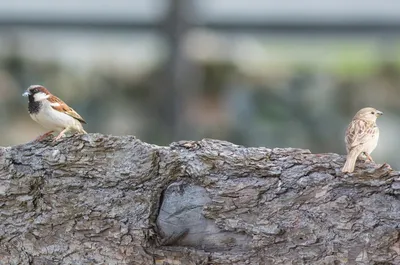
(41, 137)
(60, 134)
(369, 157)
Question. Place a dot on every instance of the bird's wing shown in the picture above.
(359, 132)
(60, 106)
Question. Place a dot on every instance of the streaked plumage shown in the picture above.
(362, 136)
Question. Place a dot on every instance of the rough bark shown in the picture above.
(98, 199)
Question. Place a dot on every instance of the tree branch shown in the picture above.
(96, 199)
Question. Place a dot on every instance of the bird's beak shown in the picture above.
(26, 94)
(379, 113)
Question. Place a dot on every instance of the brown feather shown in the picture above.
(357, 133)
(62, 107)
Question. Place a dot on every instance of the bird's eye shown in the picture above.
(372, 112)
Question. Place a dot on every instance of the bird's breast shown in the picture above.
(371, 144)
(52, 119)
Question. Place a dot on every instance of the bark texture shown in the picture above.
(96, 199)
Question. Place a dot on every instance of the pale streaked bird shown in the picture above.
(362, 136)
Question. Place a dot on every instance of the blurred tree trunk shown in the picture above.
(99, 199)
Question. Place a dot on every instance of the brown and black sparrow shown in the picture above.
(52, 113)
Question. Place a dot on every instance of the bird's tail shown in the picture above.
(81, 130)
(351, 161)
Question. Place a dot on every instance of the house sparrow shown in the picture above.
(52, 113)
(361, 136)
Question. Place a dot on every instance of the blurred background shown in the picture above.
(257, 73)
